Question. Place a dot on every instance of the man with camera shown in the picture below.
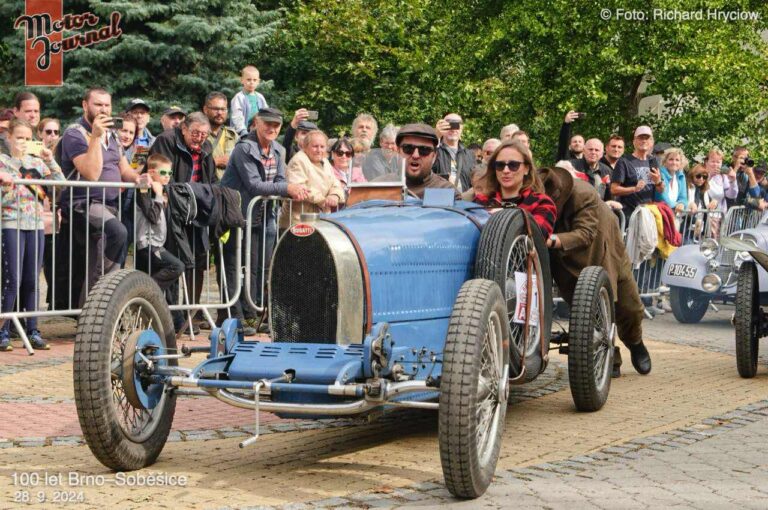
(90, 151)
(454, 162)
(746, 180)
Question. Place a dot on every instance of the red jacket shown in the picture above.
(539, 205)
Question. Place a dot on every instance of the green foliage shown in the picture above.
(494, 62)
(170, 53)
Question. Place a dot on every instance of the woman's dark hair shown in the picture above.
(342, 142)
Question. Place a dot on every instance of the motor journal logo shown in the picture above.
(49, 33)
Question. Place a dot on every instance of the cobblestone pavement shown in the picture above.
(690, 435)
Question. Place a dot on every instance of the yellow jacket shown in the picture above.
(665, 249)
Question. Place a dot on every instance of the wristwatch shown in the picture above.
(553, 238)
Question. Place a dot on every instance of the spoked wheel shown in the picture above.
(502, 257)
(747, 320)
(590, 340)
(125, 417)
(474, 389)
(688, 305)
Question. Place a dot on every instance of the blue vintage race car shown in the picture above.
(428, 304)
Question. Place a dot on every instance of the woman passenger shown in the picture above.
(342, 154)
(512, 180)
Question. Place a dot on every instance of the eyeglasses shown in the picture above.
(51, 131)
(701, 176)
(342, 154)
(199, 134)
(513, 165)
(165, 172)
(424, 150)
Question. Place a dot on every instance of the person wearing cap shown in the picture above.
(417, 145)
(586, 233)
(636, 179)
(454, 162)
(256, 168)
(172, 117)
(222, 137)
(296, 131)
(140, 110)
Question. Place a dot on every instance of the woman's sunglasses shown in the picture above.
(51, 131)
(341, 154)
(701, 176)
(513, 165)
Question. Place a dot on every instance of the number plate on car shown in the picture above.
(682, 270)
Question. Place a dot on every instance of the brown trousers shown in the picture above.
(629, 307)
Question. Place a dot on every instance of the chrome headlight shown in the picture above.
(711, 283)
(740, 258)
(709, 248)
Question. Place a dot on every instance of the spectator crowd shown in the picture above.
(198, 176)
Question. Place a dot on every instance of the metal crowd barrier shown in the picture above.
(69, 257)
(695, 227)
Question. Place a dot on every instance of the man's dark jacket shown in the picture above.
(465, 161)
(170, 143)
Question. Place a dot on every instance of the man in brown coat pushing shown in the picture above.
(587, 234)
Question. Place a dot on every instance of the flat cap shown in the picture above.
(174, 110)
(306, 125)
(270, 114)
(420, 130)
(133, 103)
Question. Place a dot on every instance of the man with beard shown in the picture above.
(417, 144)
(454, 162)
(222, 137)
(90, 151)
(364, 129)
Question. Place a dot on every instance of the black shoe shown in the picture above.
(616, 372)
(248, 331)
(641, 360)
(264, 327)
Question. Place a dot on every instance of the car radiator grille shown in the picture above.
(305, 294)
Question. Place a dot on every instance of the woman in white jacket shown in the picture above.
(722, 186)
(310, 167)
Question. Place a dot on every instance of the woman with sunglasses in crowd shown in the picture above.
(342, 155)
(698, 190)
(512, 180)
(49, 131)
(310, 168)
(23, 241)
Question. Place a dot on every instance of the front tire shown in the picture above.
(121, 435)
(474, 389)
(688, 305)
(747, 320)
(502, 251)
(590, 340)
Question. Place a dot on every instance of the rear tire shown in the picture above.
(474, 389)
(590, 340)
(747, 320)
(501, 252)
(688, 305)
(120, 435)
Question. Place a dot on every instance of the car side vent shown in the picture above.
(355, 350)
(326, 353)
(270, 352)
